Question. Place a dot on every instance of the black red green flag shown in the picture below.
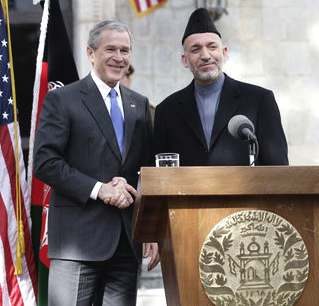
(55, 68)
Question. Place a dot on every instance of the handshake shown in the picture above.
(117, 193)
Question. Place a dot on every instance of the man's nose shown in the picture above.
(205, 55)
(117, 55)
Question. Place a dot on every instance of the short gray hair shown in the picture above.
(95, 33)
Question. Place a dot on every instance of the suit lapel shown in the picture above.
(188, 110)
(129, 107)
(227, 107)
(94, 102)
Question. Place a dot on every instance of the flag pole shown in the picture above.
(36, 88)
(20, 230)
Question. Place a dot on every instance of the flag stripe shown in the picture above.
(7, 164)
(4, 295)
(7, 147)
(148, 3)
(21, 292)
(11, 279)
(137, 5)
(38, 188)
(144, 7)
(43, 89)
(29, 289)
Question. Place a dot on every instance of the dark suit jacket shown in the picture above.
(178, 129)
(75, 147)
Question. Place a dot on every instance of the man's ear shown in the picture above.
(184, 61)
(90, 54)
(225, 53)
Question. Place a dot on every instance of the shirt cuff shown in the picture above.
(95, 190)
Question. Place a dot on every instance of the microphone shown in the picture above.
(241, 127)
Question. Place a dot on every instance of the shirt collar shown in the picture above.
(103, 87)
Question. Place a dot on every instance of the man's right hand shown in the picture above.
(119, 194)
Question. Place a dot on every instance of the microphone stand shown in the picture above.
(253, 149)
(252, 152)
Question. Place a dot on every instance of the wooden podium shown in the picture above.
(178, 207)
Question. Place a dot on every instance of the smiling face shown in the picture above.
(111, 59)
(204, 54)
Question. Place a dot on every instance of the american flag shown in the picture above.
(17, 269)
(144, 7)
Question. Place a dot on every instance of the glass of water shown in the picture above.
(167, 160)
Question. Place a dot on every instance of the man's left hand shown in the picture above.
(150, 249)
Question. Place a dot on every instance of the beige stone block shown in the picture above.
(234, 3)
(245, 59)
(142, 57)
(274, 27)
(141, 28)
(312, 138)
(275, 61)
(142, 84)
(312, 34)
(165, 26)
(276, 83)
(250, 24)
(295, 58)
(181, 4)
(303, 155)
(251, 3)
(284, 3)
(163, 87)
(229, 25)
(165, 60)
(297, 125)
(183, 78)
(124, 13)
(94, 10)
(81, 33)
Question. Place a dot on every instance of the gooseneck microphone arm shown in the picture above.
(242, 128)
(253, 149)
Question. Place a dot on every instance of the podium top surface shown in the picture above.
(227, 180)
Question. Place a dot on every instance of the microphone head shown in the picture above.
(238, 124)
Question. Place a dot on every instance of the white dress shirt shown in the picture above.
(104, 89)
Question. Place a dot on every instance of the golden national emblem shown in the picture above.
(253, 258)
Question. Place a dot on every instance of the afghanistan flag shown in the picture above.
(55, 68)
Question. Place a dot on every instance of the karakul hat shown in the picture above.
(199, 22)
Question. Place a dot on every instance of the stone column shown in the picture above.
(86, 14)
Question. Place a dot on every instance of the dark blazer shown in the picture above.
(75, 146)
(178, 129)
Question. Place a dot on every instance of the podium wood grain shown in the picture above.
(179, 206)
